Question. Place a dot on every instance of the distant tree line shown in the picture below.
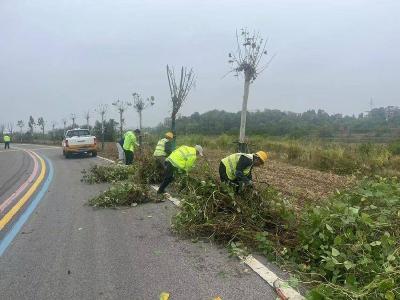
(377, 122)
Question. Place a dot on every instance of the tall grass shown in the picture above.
(339, 158)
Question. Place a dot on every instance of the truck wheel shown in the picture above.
(94, 153)
(67, 155)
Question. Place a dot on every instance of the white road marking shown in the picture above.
(273, 280)
(106, 159)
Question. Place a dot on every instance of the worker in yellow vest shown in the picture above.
(180, 160)
(130, 143)
(163, 148)
(7, 140)
(236, 168)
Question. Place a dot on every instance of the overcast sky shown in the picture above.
(61, 57)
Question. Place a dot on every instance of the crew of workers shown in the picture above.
(7, 141)
(235, 169)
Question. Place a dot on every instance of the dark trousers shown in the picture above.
(222, 173)
(224, 178)
(168, 177)
(128, 157)
(6, 145)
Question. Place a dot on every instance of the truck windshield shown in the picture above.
(80, 132)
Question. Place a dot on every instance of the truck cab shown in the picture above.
(79, 141)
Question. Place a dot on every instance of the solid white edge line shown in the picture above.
(270, 277)
(273, 280)
(106, 159)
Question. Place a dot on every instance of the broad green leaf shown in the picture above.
(335, 252)
(376, 243)
(329, 228)
(348, 265)
(389, 295)
(391, 257)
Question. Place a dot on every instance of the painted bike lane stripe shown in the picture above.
(23, 186)
(13, 211)
(11, 234)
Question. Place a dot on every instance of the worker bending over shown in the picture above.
(236, 168)
(180, 160)
(130, 143)
(163, 149)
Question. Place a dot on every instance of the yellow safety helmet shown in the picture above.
(262, 155)
(169, 135)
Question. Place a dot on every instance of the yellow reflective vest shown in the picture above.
(160, 148)
(129, 141)
(230, 162)
(183, 158)
(7, 138)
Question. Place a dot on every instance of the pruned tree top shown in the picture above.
(180, 87)
(140, 104)
(121, 105)
(249, 54)
(102, 109)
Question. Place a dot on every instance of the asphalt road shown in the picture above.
(67, 250)
(15, 167)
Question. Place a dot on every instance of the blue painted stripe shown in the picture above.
(12, 233)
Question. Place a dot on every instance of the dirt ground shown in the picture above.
(298, 183)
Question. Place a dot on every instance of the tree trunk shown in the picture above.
(140, 120)
(173, 129)
(140, 128)
(102, 134)
(21, 134)
(242, 135)
(120, 124)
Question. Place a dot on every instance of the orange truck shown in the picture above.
(79, 141)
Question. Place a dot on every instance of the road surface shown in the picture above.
(67, 250)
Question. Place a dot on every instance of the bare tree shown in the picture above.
(53, 129)
(102, 110)
(179, 90)
(87, 118)
(247, 59)
(31, 125)
(140, 105)
(121, 106)
(73, 118)
(64, 121)
(10, 127)
(42, 124)
(2, 129)
(21, 125)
